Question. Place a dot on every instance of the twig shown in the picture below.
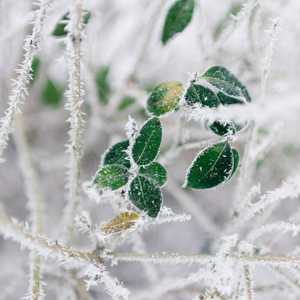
(248, 283)
(75, 101)
(15, 231)
(35, 205)
(20, 84)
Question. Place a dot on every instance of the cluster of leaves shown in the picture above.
(134, 166)
(132, 163)
(216, 87)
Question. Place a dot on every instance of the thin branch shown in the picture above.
(248, 283)
(74, 102)
(20, 84)
(12, 229)
(35, 205)
(175, 258)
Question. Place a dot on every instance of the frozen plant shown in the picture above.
(149, 149)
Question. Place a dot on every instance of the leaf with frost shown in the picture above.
(164, 98)
(122, 222)
(197, 93)
(230, 89)
(236, 162)
(111, 176)
(156, 172)
(145, 195)
(223, 128)
(146, 145)
(117, 154)
(212, 166)
(178, 18)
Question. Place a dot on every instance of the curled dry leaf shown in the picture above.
(122, 222)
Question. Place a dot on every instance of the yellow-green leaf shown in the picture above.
(122, 222)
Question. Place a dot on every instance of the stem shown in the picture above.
(174, 258)
(248, 283)
(35, 205)
(20, 84)
(75, 101)
(15, 231)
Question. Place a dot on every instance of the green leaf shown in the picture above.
(199, 94)
(164, 98)
(233, 11)
(212, 166)
(145, 195)
(178, 17)
(52, 94)
(146, 145)
(224, 128)
(112, 176)
(126, 102)
(86, 17)
(60, 28)
(117, 155)
(103, 86)
(236, 162)
(35, 67)
(231, 90)
(155, 172)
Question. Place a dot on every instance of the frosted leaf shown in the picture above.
(147, 143)
(212, 166)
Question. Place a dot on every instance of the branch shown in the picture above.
(12, 229)
(20, 84)
(175, 258)
(74, 102)
(35, 205)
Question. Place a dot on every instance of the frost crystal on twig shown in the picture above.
(74, 96)
(20, 84)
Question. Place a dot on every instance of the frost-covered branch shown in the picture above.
(35, 205)
(175, 258)
(20, 83)
(74, 95)
(288, 189)
(14, 230)
(248, 283)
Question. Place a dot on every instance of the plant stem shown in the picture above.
(75, 101)
(20, 84)
(35, 204)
